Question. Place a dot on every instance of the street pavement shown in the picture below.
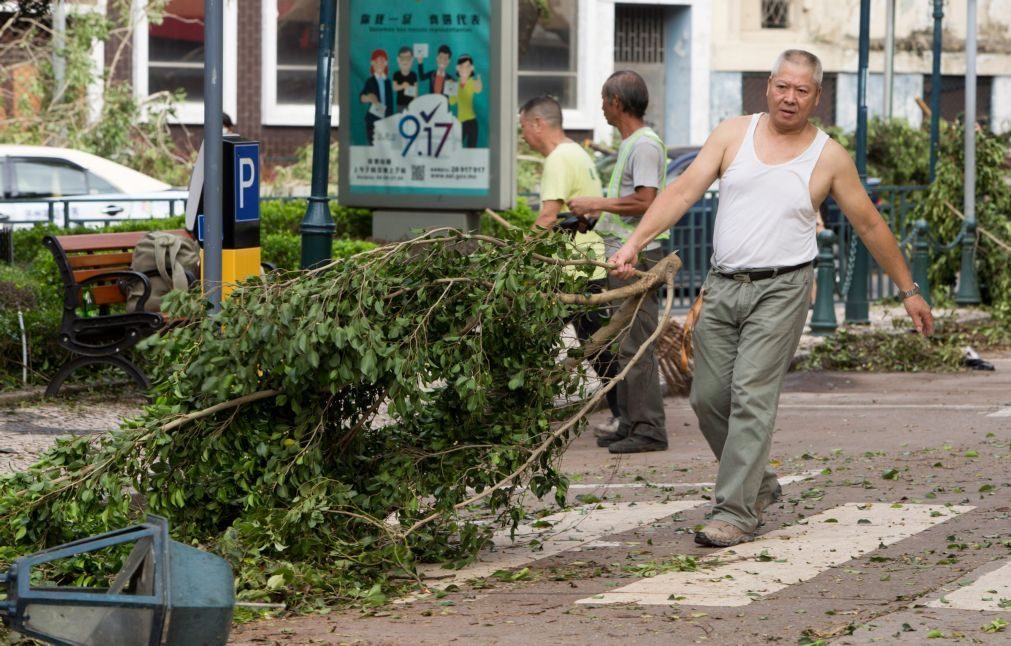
(894, 528)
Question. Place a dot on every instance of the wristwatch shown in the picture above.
(912, 291)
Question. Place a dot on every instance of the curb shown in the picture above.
(39, 393)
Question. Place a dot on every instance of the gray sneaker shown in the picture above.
(718, 533)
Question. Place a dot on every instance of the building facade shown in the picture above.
(704, 60)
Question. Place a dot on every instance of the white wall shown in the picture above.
(596, 50)
(905, 89)
(1000, 104)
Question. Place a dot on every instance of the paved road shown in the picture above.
(894, 523)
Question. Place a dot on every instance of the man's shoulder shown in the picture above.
(734, 127)
(569, 153)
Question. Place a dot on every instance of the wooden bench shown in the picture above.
(98, 264)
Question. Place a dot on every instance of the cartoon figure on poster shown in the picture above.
(463, 98)
(378, 92)
(405, 81)
(436, 78)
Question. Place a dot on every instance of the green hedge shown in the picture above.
(41, 305)
(33, 284)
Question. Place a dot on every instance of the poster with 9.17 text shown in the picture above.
(419, 77)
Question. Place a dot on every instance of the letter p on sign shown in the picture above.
(247, 178)
(247, 182)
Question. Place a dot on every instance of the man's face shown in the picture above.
(610, 106)
(379, 65)
(529, 129)
(792, 95)
(404, 61)
(442, 60)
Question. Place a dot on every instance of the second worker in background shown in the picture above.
(639, 174)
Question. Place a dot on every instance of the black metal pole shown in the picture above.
(857, 306)
(935, 88)
(213, 153)
(318, 226)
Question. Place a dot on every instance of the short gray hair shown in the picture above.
(803, 58)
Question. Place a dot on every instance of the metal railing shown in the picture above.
(65, 211)
(895, 204)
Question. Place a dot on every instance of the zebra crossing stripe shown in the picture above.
(738, 575)
(575, 528)
(985, 593)
(1004, 412)
(785, 480)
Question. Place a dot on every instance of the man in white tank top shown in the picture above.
(775, 169)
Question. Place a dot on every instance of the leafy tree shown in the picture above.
(44, 112)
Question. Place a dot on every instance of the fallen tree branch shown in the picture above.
(670, 270)
(216, 408)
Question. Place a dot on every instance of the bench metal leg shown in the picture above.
(115, 361)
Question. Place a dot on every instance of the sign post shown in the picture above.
(427, 99)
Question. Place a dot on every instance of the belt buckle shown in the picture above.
(742, 277)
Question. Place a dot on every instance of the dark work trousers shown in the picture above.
(604, 363)
(468, 131)
(639, 396)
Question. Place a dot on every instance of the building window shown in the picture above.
(953, 97)
(169, 55)
(775, 14)
(638, 34)
(290, 45)
(547, 51)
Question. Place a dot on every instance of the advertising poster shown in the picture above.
(421, 85)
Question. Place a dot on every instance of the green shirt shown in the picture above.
(569, 172)
(465, 100)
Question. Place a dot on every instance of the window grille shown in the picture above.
(638, 34)
(775, 14)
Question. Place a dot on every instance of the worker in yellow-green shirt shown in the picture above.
(569, 172)
(467, 86)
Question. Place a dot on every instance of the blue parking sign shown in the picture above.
(247, 182)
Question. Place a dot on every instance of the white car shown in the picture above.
(67, 187)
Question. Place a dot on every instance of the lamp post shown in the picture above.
(935, 87)
(889, 57)
(214, 22)
(968, 285)
(857, 306)
(318, 226)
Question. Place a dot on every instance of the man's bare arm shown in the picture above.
(633, 205)
(549, 213)
(852, 198)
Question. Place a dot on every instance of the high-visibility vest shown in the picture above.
(612, 224)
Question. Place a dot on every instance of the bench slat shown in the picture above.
(100, 260)
(91, 242)
(106, 295)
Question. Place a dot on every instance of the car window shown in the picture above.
(98, 185)
(47, 178)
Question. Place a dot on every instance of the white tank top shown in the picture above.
(765, 218)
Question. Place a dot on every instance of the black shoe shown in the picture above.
(610, 438)
(636, 444)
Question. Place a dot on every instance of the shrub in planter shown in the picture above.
(286, 215)
(40, 303)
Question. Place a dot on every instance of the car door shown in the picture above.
(35, 180)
